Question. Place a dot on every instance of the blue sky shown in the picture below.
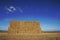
(46, 12)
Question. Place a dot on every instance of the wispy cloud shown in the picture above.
(47, 27)
(10, 9)
(4, 27)
(21, 10)
(52, 29)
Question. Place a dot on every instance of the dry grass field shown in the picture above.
(43, 36)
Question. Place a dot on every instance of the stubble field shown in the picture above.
(42, 36)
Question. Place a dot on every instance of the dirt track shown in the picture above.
(43, 36)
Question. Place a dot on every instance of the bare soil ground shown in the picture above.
(42, 36)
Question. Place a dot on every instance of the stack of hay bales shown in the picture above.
(24, 27)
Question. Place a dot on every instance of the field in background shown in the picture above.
(43, 36)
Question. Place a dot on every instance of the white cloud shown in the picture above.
(11, 9)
